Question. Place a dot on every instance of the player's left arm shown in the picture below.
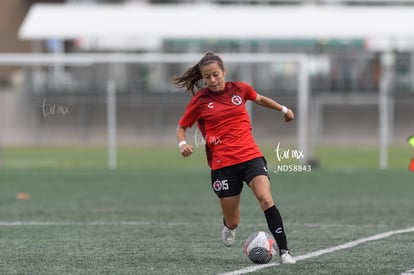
(272, 104)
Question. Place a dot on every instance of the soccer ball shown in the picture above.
(260, 247)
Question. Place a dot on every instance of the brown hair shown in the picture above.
(191, 78)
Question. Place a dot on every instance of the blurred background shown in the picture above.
(57, 103)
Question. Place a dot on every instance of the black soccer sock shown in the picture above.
(275, 224)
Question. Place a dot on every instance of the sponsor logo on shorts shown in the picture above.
(217, 185)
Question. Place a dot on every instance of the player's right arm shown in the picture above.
(272, 104)
(185, 149)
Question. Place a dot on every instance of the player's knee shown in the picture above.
(265, 202)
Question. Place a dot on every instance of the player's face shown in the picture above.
(213, 75)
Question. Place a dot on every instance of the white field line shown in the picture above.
(351, 244)
(409, 272)
(49, 223)
(149, 223)
(322, 225)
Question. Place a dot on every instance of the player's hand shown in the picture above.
(186, 150)
(289, 115)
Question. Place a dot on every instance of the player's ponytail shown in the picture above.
(191, 79)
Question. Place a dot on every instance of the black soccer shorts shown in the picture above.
(228, 181)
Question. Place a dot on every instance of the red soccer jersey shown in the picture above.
(224, 123)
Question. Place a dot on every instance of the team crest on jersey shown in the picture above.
(236, 100)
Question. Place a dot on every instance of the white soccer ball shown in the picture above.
(260, 247)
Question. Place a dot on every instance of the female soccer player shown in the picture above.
(232, 153)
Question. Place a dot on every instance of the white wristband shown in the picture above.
(284, 109)
(181, 143)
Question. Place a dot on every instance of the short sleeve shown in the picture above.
(191, 114)
(249, 92)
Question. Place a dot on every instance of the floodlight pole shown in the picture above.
(2, 127)
(245, 74)
(111, 123)
(303, 109)
(385, 107)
